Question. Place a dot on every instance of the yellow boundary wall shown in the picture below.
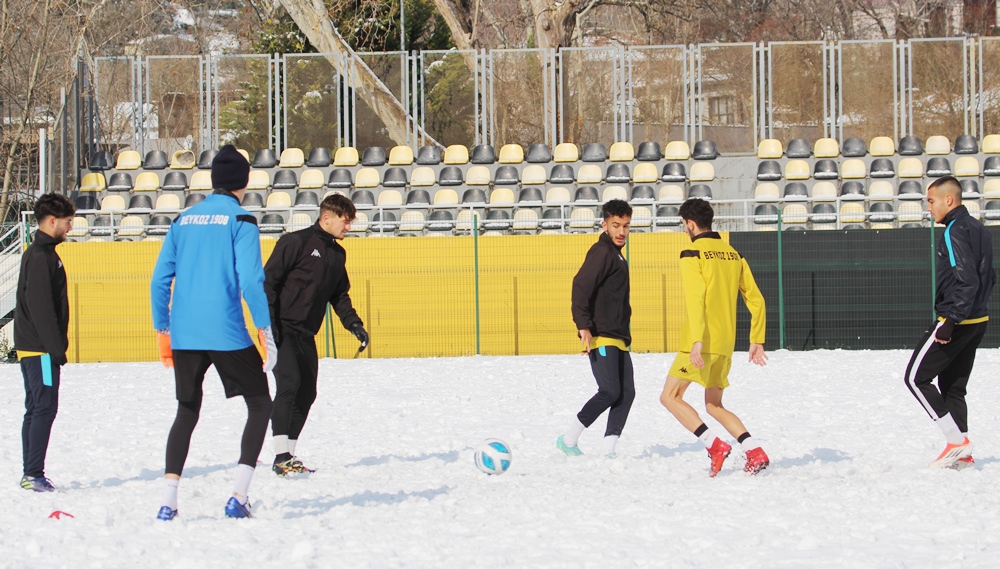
(416, 295)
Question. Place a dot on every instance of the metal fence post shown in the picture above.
(475, 258)
(781, 288)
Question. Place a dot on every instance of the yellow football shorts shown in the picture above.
(714, 374)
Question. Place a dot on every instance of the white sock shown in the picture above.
(170, 493)
(281, 444)
(749, 444)
(610, 442)
(950, 429)
(573, 433)
(291, 446)
(244, 474)
(707, 438)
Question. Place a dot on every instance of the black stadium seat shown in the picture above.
(587, 194)
(700, 191)
(938, 166)
(991, 166)
(768, 171)
(306, 199)
(594, 152)
(252, 199)
(340, 178)
(284, 180)
(910, 145)
(429, 155)
(562, 174)
(966, 144)
(798, 148)
(418, 197)
(265, 158)
(319, 157)
(643, 194)
(101, 160)
(796, 191)
(363, 198)
(648, 152)
(506, 176)
(155, 160)
(205, 160)
(824, 213)
(140, 201)
(373, 156)
(474, 196)
(910, 189)
(705, 150)
(673, 172)
(158, 225)
(120, 182)
(193, 200)
(853, 147)
(881, 168)
(618, 173)
(483, 154)
(394, 177)
(450, 176)
(174, 182)
(86, 201)
(530, 194)
(825, 169)
(852, 189)
(539, 154)
(765, 213)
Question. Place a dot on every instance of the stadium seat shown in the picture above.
(285, 180)
(562, 174)
(677, 150)
(938, 145)
(201, 181)
(880, 190)
(506, 176)
(938, 166)
(852, 191)
(271, 223)
(765, 213)
(311, 180)
(910, 190)
(566, 152)
(667, 216)
(768, 171)
(705, 150)
(389, 198)
(205, 159)
(766, 192)
(306, 200)
(113, 203)
(882, 146)
(465, 219)
(552, 219)
(991, 189)
(168, 202)
(702, 191)
(674, 172)
(193, 199)
(824, 192)
(477, 176)
(450, 176)
(966, 166)
(319, 157)
(346, 157)
(174, 182)
(291, 158)
(970, 189)
(670, 193)
(584, 218)
(648, 152)
(445, 197)
(826, 148)
(429, 155)
(702, 172)
(621, 152)
(394, 177)
(145, 182)
(340, 178)
(911, 212)
(910, 145)
(422, 197)
(363, 198)
(278, 200)
(474, 196)
(501, 197)
(593, 152)
(483, 154)
(769, 149)
(642, 218)
(128, 160)
(991, 212)
(259, 180)
(373, 156)
(991, 144)
(400, 156)
(540, 154)
(422, 176)
(120, 182)
(881, 212)
(911, 168)
(796, 191)
(824, 214)
(497, 220)
(412, 222)
(973, 206)
(533, 174)
(364, 178)
(853, 147)
(618, 173)
(158, 225)
(588, 174)
(586, 194)
(614, 193)
(643, 194)
(991, 166)
(456, 154)
(360, 224)
(852, 212)
(557, 195)
(966, 144)
(252, 200)
(155, 160)
(183, 160)
(797, 170)
(798, 148)
(441, 220)
(525, 219)
(100, 161)
(825, 169)
(93, 182)
(102, 225)
(139, 203)
(881, 168)
(530, 195)
(264, 158)
(853, 169)
(329, 193)
(511, 154)
(645, 173)
(299, 221)
(794, 214)
(81, 227)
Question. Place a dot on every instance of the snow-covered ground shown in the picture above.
(396, 486)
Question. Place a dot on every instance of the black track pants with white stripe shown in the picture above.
(951, 363)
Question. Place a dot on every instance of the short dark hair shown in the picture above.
(698, 211)
(616, 208)
(339, 205)
(948, 184)
(53, 205)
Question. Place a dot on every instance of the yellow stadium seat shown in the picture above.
(201, 181)
(412, 221)
(769, 148)
(557, 195)
(966, 166)
(445, 197)
(794, 213)
(259, 180)
(95, 182)
(797, 170)
(566, 152)
(147, 182)
(366, 178)
(278, 200)
(502, 197)
(702, 172)
(168, 201)
(525, 220)
(622, 152)
(311, 180)
(511, 154)
(589, 174)
(882, 146)
(456, 154)
(533, 174)
(113, 202)
(477, 176)
(852, 212)
(911, 212)
(291, 158)
(614, 193)
(400, 156)
(670, 193)
(346, 156)
(422, 176)
(128, 160)
(299, 221)
(183, 160)
(991, 144)
(464, 220)
(911, 168)
(937, 144)
(642, 217)
(360, 223)
(766, 192)
(991, 189)
(582, 218)
(826, 148)
(973, 206)
(334, 192)
(131, 226)
(824, 192)
(881, 190)
(80, 227)
(677, 150)
(244, 154)
(390, 198)
(645, 173)
(852, 169)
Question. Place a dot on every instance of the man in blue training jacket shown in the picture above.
(211, 255)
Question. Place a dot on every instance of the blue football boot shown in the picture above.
(39, 484)
(234, 509)
(166, 514)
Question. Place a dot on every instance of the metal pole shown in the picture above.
(475, 256)
(402, 25)
(62, 143)
(781, 290)
(41, 161)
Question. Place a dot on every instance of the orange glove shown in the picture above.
(166, 353)
(268, 348)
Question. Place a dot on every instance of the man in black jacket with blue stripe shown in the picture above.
(965, 279)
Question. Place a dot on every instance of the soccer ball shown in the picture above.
(493, 456)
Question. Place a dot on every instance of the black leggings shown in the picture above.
(616, 389)
(295, 378)
(179, 440)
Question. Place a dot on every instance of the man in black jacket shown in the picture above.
(965, 279)
(304, 273)
(602, 315)
(41, 322)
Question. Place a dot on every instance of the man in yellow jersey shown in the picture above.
(965, 279)
(602, 314)
(713, 273)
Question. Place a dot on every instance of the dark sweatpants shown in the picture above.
(41, 402)
(295, 378)
(951, 363)
(615, 389)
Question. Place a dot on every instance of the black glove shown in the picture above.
(358, 330)
(945, 330)
(58, 359)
